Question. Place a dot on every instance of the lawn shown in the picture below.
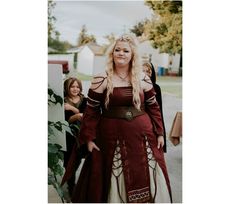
(173, 90)
(84, 77)
(170, 85)
(169, 79)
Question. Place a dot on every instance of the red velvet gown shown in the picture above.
(130, 138)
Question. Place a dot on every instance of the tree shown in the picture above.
(84, 38)
(139, 28)
(51, 18)
(165, 29)
(111, 38)
(57, 35)
(60, 46)
(54, 35)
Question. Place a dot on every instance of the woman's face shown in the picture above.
(122, 53)
(147, 70)
(74, 89)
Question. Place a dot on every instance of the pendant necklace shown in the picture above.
(122, 78)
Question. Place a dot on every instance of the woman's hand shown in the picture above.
(92, 145)
(160, 141)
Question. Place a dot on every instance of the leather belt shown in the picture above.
(124, 112)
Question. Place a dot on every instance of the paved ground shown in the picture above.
(171, 105)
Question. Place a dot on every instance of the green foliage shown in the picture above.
(51, 18)
(84, 77)
(111, 38)
(75, 57)
(59, 125)
(53, 35)
(54, 98)
(139, 28)
(55, 155)
(55, 169)
(53, 181)
(84, 38)
(60, 46)
(165, 29)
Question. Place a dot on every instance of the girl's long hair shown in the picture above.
(68, 83)
(134, 70)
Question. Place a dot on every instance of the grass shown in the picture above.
(84, 77)
(169, 79)
(170, 85)
(173, 90)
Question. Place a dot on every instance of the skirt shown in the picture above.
(158, 186)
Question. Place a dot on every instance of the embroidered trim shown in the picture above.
(117, 169)
(147, 79)
(93, 103)
(117, 164)
(99, 82)
(152, 164)
(151, 100)
(139, 194)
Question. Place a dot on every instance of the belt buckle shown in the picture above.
(129, 115)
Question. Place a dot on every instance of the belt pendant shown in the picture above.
(129, 115)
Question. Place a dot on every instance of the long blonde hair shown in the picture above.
(134, 70)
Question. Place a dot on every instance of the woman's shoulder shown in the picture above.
(101, 75)
(99, 82)
(145, 78)
(146, 82)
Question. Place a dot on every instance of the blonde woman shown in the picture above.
(123, 130)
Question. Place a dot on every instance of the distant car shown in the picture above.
(64, 63)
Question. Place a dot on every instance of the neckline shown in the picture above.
(122, 78)
(122, 87)
(74, 103)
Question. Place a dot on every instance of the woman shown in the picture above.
(148, 69)
(123, 131)
(74, 103)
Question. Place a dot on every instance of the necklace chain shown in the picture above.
(122, 78)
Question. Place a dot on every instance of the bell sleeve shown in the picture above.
(153, 110)
(91, 117)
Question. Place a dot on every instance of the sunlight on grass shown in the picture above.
(173, 90)
(84, 77)
(168, 79)
(170, 85)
